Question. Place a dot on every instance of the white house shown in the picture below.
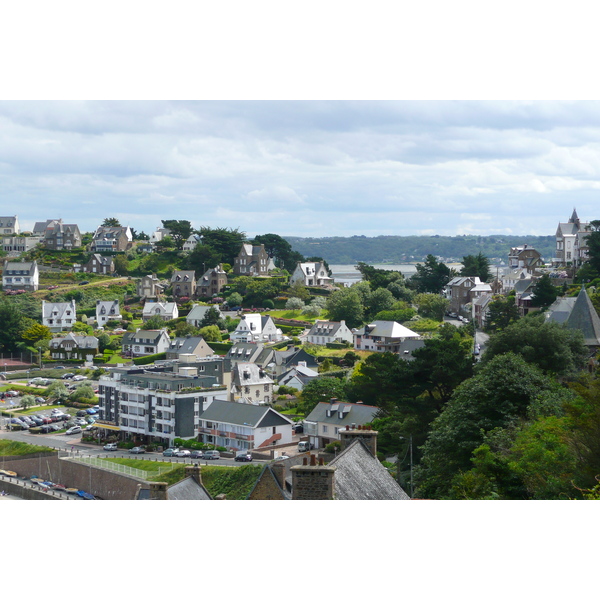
(324, 332)
(382, 336)
(250, 384)
(244, 426)
(107, 310)
(58, 316)
(197, 314)
(166, 310)
(21, 276)
(145, 342)
(191, 242)
(311, 273)
(256, 328)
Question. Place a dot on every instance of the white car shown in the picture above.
(110, 447)
(181, 452)
(79, 377)
(73, 430)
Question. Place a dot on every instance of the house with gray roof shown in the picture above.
(74, 347)
(189, 488)
(354, 474)
(382, 336)
(107, 310)
(9, 225)
(326, 419)
(252, 260)
(183, 283)
(579, 314)
(98, 263)
(19, 275)
(145, 342)
(237, 426)
(571, 245)
(256, 328)
(251, 352)
(297, 376)
(167, 311)
(250, 384)
(325, 332)
(198, 312)
(58, 316)
(284, 360)
(190, 345)
(311, 274)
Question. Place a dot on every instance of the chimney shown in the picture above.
(158, 490)
(312, 481)
(194, 472)
(278, 470)
(362, 432)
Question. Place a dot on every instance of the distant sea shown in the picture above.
(349, 274)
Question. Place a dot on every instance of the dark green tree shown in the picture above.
(476, 266)
(345, 304)
(226, 242)
(321, 389)
(502, 311)
(431, 276)
(544, 292)
(179, 231)
(111, 222)
(593, 244)
(12, 324)
(546, 344)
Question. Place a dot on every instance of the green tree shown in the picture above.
(280, 250)
(213, 317)
(82, 393)
(11, 330)
(345, 304)
(111, 222)
(235, 299)
(299, 290)
(224, 242)
(432, 306)
(548, 345)
(27, 401)
(121, 264)
(379, 300)
(57, 392)
(379, 278)
(36, 332)
(544, 292)
(498, 395)
(211, 333)
(294, 303)
(154, 322)
(476, 266)
(502, 311)
(321, 389)
(431, 276)
(593, 244)
(179, 231)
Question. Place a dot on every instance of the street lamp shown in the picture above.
(411, 462)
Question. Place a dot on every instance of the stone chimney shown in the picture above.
(312, 481)
(158, 490)
(278, 470)
(362, 432)
(194, 472)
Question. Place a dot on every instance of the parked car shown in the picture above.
(282, 457)
(79, 377)
(110, 447)
(244, 457)
(73, 430)
(40, 400)
(83, 282)
(67, 376)
(81, 413)
(80, 421)
(137, 450)
(298, 427)
(212, 455)
(169, 452)
(91, 411)
(182, 453)
(197, 454)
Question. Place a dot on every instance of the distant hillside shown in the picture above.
(397, 249)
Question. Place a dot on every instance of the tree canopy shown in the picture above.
(431, 276)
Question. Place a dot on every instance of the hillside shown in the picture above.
(397, 249)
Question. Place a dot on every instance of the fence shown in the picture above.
(119, 468)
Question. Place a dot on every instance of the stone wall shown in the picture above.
(104, 484)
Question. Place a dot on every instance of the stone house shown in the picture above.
(183, 284)
(252, 260)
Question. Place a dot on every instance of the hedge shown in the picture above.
(146, 360)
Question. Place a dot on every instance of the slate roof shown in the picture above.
(360, 476)
(185, 345)
(248, 373)
(198, 312)
(387, 329)
(187, 489)
(584, 318)
(358, 414)
(81, 341)
(234, 413)
(143, 334)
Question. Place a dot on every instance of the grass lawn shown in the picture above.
(150, 466)
(12, 448)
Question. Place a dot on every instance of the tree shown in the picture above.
(502, 311)
(213, 317)
(121, 264)
(548, 345)
(432, 306)
(294, 304)
(12, 321)
(498, 395)
(378, 300)
(379, 278)
(544, 292)
(57, 392)
(235, 299)
(111, 222)
(593, 244)
(27, 400)
(36, 332)
(211, 333)
(82, 392)
(345, 305)
(201, 258)
(154, 322)
(476, 266)
(431, 276)
(179, 231)
(299, 290)
(225, 242)
(321, 389)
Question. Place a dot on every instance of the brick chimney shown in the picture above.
(158, 490)
(363, 432)
(312, 481)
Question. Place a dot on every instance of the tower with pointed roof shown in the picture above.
(571, 247)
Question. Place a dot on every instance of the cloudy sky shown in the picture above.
(304, 168)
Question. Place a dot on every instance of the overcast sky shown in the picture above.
(304, 168)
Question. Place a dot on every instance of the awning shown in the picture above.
(105, 426)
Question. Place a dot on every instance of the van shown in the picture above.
(305, 446)
(212, 455)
